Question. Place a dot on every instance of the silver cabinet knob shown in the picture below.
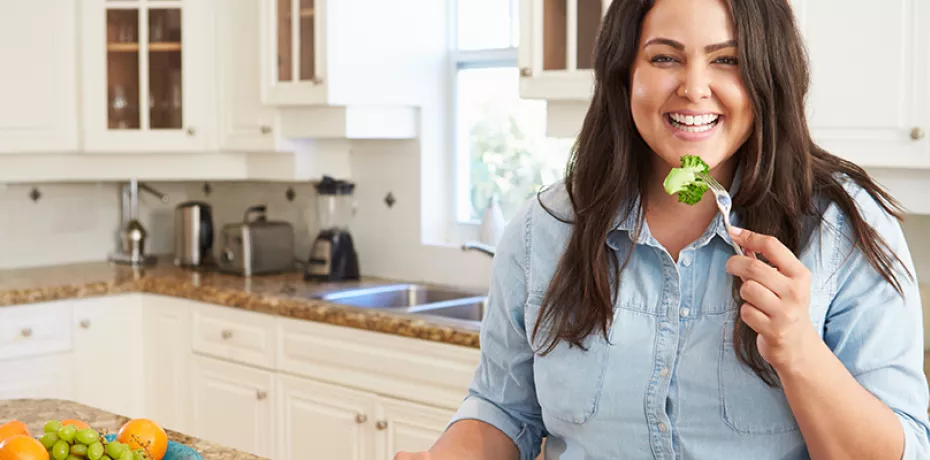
(226, 334)
(381, 425)
(526, 72)
(26, 332)
(191, 131)
(261, 395)
(317, 81)
(361, 418)
(917, 133)
(85, 323)
(265, 129)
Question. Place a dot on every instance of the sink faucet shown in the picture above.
(132, 233)
(480, 247)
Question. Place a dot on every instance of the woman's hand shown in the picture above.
(413, 456)
(777, 299)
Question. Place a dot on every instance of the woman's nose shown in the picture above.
(695, 84)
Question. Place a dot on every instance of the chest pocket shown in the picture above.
(749, 404)
(568, 379)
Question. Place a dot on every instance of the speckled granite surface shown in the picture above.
(283, 294)
(35, 412)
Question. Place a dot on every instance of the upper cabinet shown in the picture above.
(143, 68)
(38, 93)
(556, 53)
(870, 92)
(294, 56)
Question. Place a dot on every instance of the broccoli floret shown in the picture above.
(686, 182)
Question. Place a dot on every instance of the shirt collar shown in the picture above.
(627, 223)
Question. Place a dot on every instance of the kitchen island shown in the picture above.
(35, 412)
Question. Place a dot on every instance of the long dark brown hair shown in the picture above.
(783, 171)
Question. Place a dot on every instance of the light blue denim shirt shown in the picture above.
(667, 384)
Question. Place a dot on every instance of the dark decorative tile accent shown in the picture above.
(389, 200)
(290, 194)
(35, 194)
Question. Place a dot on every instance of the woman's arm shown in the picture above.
(474, 440)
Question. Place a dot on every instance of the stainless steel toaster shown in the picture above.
(256, 246)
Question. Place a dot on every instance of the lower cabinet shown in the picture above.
(167, 333)
(322, 420)
(37, 377)
(231, 405)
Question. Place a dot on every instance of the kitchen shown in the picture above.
(252, 103)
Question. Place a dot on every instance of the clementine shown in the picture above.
(142, 432)
(13, 428)
(79, 425)
(22, 447)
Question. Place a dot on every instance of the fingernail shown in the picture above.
(735, 231)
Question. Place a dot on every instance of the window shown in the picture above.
(501, 146)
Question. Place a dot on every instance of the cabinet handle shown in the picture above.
(191, 131)
(361, 418)
(917, 133)
(381, 425)
(26, 332)
(261, 395)
(226, 334)
(317, 81)
(265, 129)
(526, 72)
(85, 323)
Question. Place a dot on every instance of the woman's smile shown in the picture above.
(693, 126)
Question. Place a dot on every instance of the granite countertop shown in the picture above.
(284, 294)
(35, 412)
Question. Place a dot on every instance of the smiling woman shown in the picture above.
(620, 322)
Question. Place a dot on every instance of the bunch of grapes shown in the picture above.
(70, 443)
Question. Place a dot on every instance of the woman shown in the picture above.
(621, 322)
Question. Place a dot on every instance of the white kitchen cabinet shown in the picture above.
(245, 123)
(144, 75)
(167, 349)
(108, 354)
(321, 420)
(40, 377)
(232, 405)
(556, 52)
(333, 421)
(38, 85)
(870, 67)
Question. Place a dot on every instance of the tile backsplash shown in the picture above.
(78, 222)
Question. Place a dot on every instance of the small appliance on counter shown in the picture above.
(333, 257)
(193, 234)
(256, 246)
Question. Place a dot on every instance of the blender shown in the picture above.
(333, 257)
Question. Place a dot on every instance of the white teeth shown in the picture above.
(694, 120)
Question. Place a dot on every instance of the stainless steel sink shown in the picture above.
(396, 296)
(470, 309)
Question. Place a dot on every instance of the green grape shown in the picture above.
(61, 450)
(72, 457)
(105, 457)
(48, 440)
(115, 449)
(67, 433)
(95, 451)
(79, 450)
(139, 454)
(52, 426)
(126, 455)
(87, 436)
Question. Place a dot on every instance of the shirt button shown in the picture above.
(662, 427)
(664, 372)
(684, 312)
(686, 260)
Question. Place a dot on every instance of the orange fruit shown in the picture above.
(22, 447)
(142, 432)
(79, 425)
(13, 428)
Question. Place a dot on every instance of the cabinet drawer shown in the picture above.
(35, 329)
(236, 335)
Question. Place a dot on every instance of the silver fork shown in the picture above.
(724, 204)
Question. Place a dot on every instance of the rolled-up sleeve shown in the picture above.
(877, 333)
(502, 392)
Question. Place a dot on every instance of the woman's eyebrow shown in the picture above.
(681, 47)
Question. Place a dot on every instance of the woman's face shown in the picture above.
(687, 94)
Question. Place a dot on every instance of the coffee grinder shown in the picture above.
(333, 257)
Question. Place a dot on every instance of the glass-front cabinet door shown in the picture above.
(557, 45)
(144, 87)
(292, 52)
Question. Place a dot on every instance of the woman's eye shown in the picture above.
(662, 59)
(727, 60)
